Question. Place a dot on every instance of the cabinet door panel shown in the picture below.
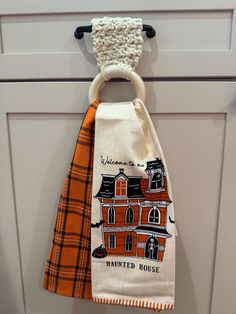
(195, 126)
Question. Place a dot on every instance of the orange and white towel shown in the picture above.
(133, 224)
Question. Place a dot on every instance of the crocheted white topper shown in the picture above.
(117, 45)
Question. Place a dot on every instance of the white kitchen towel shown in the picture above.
(133, 224)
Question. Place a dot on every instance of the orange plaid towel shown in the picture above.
(68, 267)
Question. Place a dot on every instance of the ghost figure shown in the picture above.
(151, 248)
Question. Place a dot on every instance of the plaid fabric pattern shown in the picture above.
(68, 267)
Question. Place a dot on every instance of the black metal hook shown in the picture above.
(79, 32)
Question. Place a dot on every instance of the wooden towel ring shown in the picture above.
(99, 82)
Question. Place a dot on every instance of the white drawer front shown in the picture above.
(193, 39)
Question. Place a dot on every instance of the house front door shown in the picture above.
(151, 248)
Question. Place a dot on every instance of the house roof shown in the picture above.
(121, 174)
(155, 164)
(162, 231)
(107, 189)
(136, 188)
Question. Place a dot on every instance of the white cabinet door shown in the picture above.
(196, 124)
(194, 38)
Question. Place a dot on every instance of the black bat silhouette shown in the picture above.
(172, 221)
(97, 224)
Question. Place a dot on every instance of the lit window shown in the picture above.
(111, 215)
(129, 217)
(112, 241)
(121, 188)
(154, 215)
(157, 180)
(129, 242)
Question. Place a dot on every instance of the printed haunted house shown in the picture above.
(134, 211)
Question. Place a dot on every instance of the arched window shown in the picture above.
(112, 241)
(129, 217)
(154, 215)
(157, 180)
(111, 215)
(128, 242)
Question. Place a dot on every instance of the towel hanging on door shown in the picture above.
(133, 245)
(133, 239)
(68, 267)
(133, 230)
